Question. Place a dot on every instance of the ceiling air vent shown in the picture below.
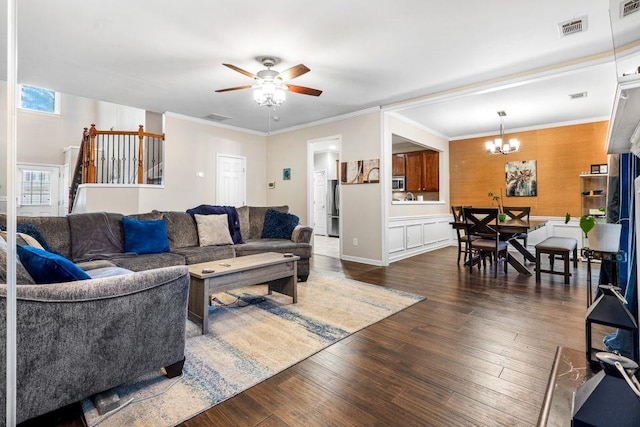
(573, 26)
(578, 95)
(216, 117)
(629, 7)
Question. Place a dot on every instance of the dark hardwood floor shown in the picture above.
(477, 351)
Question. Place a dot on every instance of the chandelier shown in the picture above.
(498, 146)
(268, 93)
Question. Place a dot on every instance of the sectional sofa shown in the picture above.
(79, 338)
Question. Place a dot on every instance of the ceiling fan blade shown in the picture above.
(293, 72)
(234, 88)
(304, 90)
(241, 71)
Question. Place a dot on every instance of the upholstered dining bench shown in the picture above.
(561, 246)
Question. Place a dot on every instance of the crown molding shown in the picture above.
(328, 120)
(415, 124)
(214, 124)
(536, 127)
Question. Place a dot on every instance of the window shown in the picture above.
(35, 188)
(39, 99)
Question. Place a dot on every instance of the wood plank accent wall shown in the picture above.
(562, 153)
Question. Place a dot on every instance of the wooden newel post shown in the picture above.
(85, 154)
(91, 170)
(140, 153)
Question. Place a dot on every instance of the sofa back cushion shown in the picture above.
(252, 219)
(54, 230)
(181, 229)
(96, 235)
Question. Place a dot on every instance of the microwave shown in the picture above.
(397, 183)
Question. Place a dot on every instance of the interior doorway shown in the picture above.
(39, 190)
(231, 179)
(324, 195)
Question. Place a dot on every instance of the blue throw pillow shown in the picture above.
(47, 267)
(278, 225)
(145, 236)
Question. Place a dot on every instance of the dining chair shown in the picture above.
(521, 213)
(482, 228)
(463, 238)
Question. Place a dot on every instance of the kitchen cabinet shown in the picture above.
(398, 165)
(422, 171)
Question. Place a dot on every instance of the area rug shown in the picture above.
(246, 345)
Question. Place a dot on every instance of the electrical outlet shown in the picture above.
(355, 241)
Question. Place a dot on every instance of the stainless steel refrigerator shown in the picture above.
(333, 208)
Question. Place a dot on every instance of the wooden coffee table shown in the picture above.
(279, 271)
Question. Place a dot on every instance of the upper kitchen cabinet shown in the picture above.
(398, 164)
(422, 171)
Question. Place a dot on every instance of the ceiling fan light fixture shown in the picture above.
(269, 94)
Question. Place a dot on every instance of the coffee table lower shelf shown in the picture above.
(279, 271)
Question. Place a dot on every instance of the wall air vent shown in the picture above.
(216, 117)
(629, 7)
(573, 26)
(578, 95)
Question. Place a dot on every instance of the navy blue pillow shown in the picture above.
(145, 236)
(278, 225)
(47, 267)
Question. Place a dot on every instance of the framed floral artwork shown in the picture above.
(521, 178)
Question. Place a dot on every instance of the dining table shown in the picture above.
(509, 229)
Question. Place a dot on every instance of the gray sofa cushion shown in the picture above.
(55, 231)
(96, 235)
(148, 261)
(92, 265)
(255, 215)
(256, 246)
(147, 216)
(198, 254)
(181, 229)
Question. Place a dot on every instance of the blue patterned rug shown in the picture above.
(246, 345)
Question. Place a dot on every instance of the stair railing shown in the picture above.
(118, 157)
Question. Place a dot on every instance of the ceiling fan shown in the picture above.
(270, 85)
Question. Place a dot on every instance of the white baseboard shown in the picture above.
(368, 261)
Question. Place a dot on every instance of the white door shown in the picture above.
(39, 190)
(231, 181)
(320, 202)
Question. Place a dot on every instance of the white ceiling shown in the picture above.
(167, 56)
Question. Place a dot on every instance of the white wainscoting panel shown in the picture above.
(396, 238)
(409, 236)
(414, 235)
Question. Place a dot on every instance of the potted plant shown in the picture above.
(604, 237)
(497, 201)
